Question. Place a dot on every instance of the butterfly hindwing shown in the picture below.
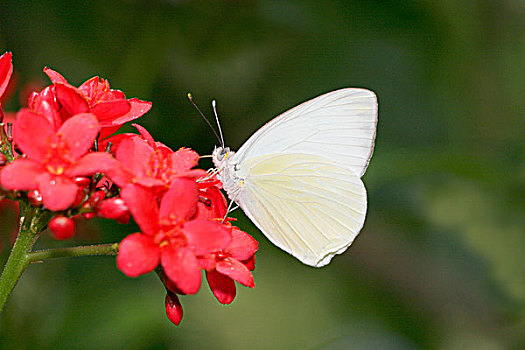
(307, 205)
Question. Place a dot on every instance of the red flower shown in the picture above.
(54, 159)
(6, 70)
(212, 204)
(170, 235)
(152, 164)
(232, 263)
(95, 96)
(44, 103)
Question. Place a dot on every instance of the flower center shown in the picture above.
(57, 158)
(160, 167)
(170, 233)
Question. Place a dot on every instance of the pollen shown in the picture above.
(241, 183)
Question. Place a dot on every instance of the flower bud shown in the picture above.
(3, 159)
(173, 308)
(113, 208)
(79, 198)
(89, 215)
(82, 181)
(62, 227)
(35, 198)
(96, 198)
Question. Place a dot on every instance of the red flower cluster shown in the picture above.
(54, 163)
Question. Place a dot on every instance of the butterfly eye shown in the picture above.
(223, 154)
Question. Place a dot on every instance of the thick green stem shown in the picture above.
(32, 221)
(101, 249)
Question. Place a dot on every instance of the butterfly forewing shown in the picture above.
(340, 126)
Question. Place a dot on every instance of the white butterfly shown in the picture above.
(298, 177)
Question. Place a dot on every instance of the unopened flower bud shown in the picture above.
(3, 159)
(173, 308)
(89, 215)
(82, 181)
(35, 198)
(79, 198)
(115, 209)
(96, 198)
(62, 227)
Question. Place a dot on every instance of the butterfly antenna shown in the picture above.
(214, 106)
(190, 97)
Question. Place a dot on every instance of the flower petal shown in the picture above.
(94, 162)
(205, 236)
(108, 111)
(79, 132)
(145, 134)
(243, 246)
(21, 175)
(45, 109)
(221, 286)
(183, 160)
(108, 130)
(182, 268)
(115, 141)
(250, 263)
(207, 262)
(32, 133)
(58, 192)
(70, 99)
(138, 109)
(236, 270)
(151, 183)
(143, 207)
(55, 77)
(212, 204)
(173, 308)
(96, 89)
(180, 200)
(137, 255)
(6, 70)
(135, 153)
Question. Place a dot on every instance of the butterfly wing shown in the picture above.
(339, 125)
(307, 205)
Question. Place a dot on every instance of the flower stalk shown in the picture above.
(32, 222)
(99, 249)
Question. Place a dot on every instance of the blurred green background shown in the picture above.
(440, 263)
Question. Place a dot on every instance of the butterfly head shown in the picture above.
(220, 155)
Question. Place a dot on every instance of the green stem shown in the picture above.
(101, 249)
(5, 145)
(32, 221)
